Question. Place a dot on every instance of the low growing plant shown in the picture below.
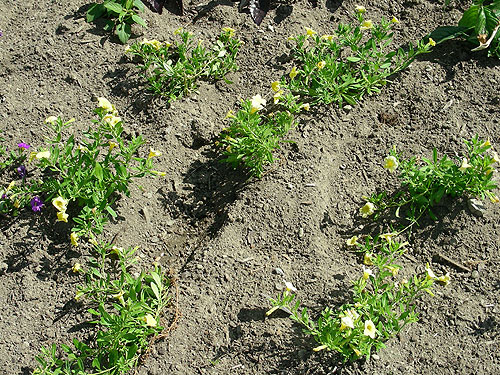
(381, 307)
(424, 183)
(126, 310)
(352, 62)
(120, 15)
(85, 175)
(173, 71)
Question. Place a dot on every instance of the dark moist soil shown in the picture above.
(224, 237)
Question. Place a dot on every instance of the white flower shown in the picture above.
(367, 273)
(464, 165)
(257, 103)
(391, 163)
(367, 210)
(370, 329)
(346, 322)
(289, 287)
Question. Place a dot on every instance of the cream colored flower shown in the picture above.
(346, 322)
(275, 86)
(111, 119)
(112, 145)
(360, 9)
(367, 210)
(387, 237)
(391, 163)
(494, 199)
(229, 30)
(394, 20)
(486, 143)
(432, 43)
(116, 250)
(305, 106)
(62, 216)
(293, 73)
(321, 65)
(366, 25)
(353, 241)
(105, 104)
(445, 279)
(153, 153)
(367, 273)
(77, 267)
(310, 32)
(494, 157)
(393, 270)
(149, 320)
(60, 204)
(289, 287)
(257, 103)
(74, 239)
(79, 294)
(327, 37)
(278, 96)
(429, 273)
(465, 165)
(50, 119)
(353, 314)
(370, 329)
(43, 155)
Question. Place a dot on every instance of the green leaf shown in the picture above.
(353, 59)
(131, 351)
(444, 33)
(98, 172)
(95, 11)
(155, 290)
(123, 30)
(111, 212)
(113, 7)
(139, 20)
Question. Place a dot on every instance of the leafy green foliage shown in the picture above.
(120, 15)
(126, 310)
(479, 25)
(173, 71)
(352, 62)
(423, 186)
(381, 307)
(89, 172)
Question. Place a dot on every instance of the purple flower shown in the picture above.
(36, 204)
(23, 145)
(22, 171)
(1, 33)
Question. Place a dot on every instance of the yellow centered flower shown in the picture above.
(77, 267)
(153, 153)
(60, 204)
(293, 73)
(79, 294)
(366, 25)
(465, 165)
(43, 155)
(346, 322)
(327, 37)
(432, 43)
(367, 210)
(74, 239)
(111, 119)
(353, 241)
(105, 104)
(310, 32)
(149, 320)
(360, 9)
(445, 279)
(321, 65)
(257, 103)
(486, 143)
(289, 287)
(112, 145)
(275, 86)
(429, 273)
(370, 329)
(494, 157)
(494, 199)
(62, 216)
(305, 106)
(50, 119)
(368, 259)
(387, 237)
(393, 270)
(367, 273)
(353, 314)
(229, 30)
(394, 20)
(391, 163)
(116, 250)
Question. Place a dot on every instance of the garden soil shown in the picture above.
(229, 242)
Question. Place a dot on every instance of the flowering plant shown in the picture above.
(85, 174)
(423, 186)
(127, 310)
(381, 306)
(344, 66)
(172, 71)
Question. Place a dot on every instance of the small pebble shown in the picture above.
(375, 356)
(476, 207)
(278, 271)
(475, 275)
(3, 267)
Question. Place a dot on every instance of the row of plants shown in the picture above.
(82, 176)
(383, 300)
